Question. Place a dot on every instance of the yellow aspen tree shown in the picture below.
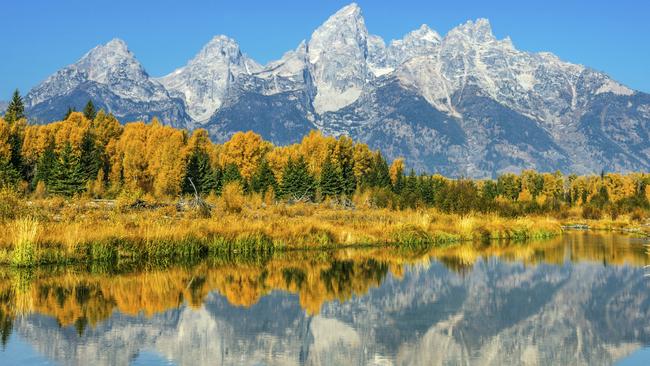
(245, 150)
(279, 156)
(165, 162)
(343, 151)
(131, 163)
(525, 195)
(5, 147)
(106, 127)
(396, 169)
(362, 157)
(315, 147)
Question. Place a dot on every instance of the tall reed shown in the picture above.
(25, 238)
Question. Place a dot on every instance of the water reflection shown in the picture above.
(580, 299)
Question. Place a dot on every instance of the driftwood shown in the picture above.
(196, 203)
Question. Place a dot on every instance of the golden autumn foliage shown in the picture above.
(245, 150)
(396, 169)
(5, 147)
(153, 158)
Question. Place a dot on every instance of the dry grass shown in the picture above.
(25, 239)
(242, 220)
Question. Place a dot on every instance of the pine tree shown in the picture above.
(264, 179)
(44, 166)
(91, 157)
(331, 179)
(399, 183)
(9, 177)
(200, 172)
(297, 182)
(379, 173)
(16, 109)
(89, 110)
(67, 176)
(348, 181)
(231, 174)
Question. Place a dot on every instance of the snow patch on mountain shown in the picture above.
(337, 51)
(204, 82)
(610, 86)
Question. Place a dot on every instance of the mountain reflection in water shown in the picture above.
(579, 299)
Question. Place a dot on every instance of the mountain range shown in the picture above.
(462, 104)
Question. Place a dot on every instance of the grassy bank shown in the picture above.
(58, 231)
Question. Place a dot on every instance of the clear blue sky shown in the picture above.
(38, 37)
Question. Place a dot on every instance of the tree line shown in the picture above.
(91, 153)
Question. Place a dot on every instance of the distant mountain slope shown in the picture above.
(464, 103)
(115, 81)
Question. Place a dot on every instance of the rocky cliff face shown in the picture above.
(111, 76)
(465, 103)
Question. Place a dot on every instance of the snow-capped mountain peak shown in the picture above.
(111, 61)
(478, 31)
(203, 83)
(338, 50)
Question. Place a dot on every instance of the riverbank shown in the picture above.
(57, 231)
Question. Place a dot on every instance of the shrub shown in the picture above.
(128, 199)
(590, 212)
(232, 197)
(11, 206)
(412, 238)
(638, 215)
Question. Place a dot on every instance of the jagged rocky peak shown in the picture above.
(204, 82)
(478, 31)
(423, 34)
(292, 64)
(421, 42)
(220, 48)
(338, 50)
(109, 61)
(112, 65)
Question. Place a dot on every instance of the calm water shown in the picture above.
(582, 299)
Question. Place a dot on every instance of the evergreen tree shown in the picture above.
(297, 182)
(44, 166)
(382, 172)
(231, 174)
(201, 173)
(16, 109)
(91, 157)
(426, 190)
(348, 180)
(331, 179)
(89, 110)
(217, 173)
(16, 143)
(409, 191)
(264, 179)
(67, 178)
(9, 177)
(399, 183)
(489, 191)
